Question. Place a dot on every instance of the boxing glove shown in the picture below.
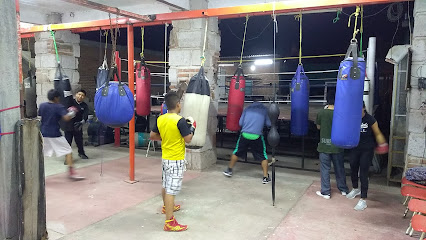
(72, 111)
(191, 124)
(382, 148)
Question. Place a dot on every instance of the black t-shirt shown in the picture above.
(367, 139)
(82, 113)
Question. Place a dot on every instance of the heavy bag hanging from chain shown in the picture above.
(196, 104)
(235, 100)
(299, 103)
(114, 102)
(347, 114)
(63, 85)
(143, 89)
(30, 96)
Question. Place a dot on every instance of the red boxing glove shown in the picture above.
(72, 111)
(382, 148)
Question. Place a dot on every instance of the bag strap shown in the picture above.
(355, 71)
(104, 63)
(239, 72)
(113, 72)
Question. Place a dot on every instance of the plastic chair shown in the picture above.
(412, 192)
(149, 146)
(418, 222)
(417, 207)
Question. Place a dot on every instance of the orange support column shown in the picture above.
(117, 130)
(131, 70)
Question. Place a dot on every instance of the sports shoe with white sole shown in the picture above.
(361, 205)
(228, 172)
(344, 193)
(355, 192)
(266, 180)
(322, 195)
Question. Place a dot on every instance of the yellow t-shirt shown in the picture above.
(172, 144)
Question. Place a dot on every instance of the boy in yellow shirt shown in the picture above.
(174, 131)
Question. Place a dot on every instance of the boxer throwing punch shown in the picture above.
(76, 131)
(252, 122)
(53, 142)
(361, 156)
(174, 131)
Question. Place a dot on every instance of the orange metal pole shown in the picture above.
(226, 12)
(117, 130)
(131, 69)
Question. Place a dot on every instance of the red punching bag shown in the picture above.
(236, 100)
(143, 89)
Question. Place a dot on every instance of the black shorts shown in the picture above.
(257, 147)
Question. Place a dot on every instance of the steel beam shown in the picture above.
(114, 10)
(226, 12)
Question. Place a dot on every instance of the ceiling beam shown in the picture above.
(172, 5)
(113, 10)
(226, 12)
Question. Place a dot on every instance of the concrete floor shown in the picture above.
(215, 207)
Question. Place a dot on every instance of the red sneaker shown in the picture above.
(74, 176)
(175, 209)
(173, 226)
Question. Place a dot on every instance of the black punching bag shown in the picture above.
(273, 136)
(63, 85)
(30, 96)
(273, 140)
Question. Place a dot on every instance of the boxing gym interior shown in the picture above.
(220, 58)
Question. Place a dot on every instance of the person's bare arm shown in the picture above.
(155, 136)
(188, 138)
(380, 139)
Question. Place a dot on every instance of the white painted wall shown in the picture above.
(233, 3)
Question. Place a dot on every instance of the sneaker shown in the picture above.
(74, 176)
(83, 156)
(173, 226)
(228, 172)
(344, 193)
(175, 209)
(361, 205)
(355, 192)
(322, 195)
(266, 179)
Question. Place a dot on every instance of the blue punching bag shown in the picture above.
(299, 103)
(114, 102)
(347, 114)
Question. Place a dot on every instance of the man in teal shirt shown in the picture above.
(328, 152)
(252, 121)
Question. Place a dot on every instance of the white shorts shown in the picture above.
(173, 175)
(58, 146)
